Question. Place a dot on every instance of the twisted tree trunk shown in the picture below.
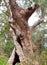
(21, 32)
(21, 29)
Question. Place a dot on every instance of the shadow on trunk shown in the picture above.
(16, 59)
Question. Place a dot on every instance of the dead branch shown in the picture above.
(40, 20)
(37, 23)
(6, 4)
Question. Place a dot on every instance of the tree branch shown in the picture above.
(40, 20)
(24, 13)
(37, 23)
(6, 4)
(14, 5)
(9, 14)
(29, 11)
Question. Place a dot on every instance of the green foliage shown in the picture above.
(17, 64)
(39, 41)
(0, 1)
(5, 35)
(3, 59)
(25, 3)
(42, 2)
(8, 46)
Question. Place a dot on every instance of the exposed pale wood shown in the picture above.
(11, 59)
(37, 23)
(18, 50)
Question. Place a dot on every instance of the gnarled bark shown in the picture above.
(20, 17)
(21, 29)
(18, 50)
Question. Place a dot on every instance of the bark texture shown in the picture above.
(20, 17)
(21, 32)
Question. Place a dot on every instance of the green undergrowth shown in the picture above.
(17, 64)
(3, 59)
